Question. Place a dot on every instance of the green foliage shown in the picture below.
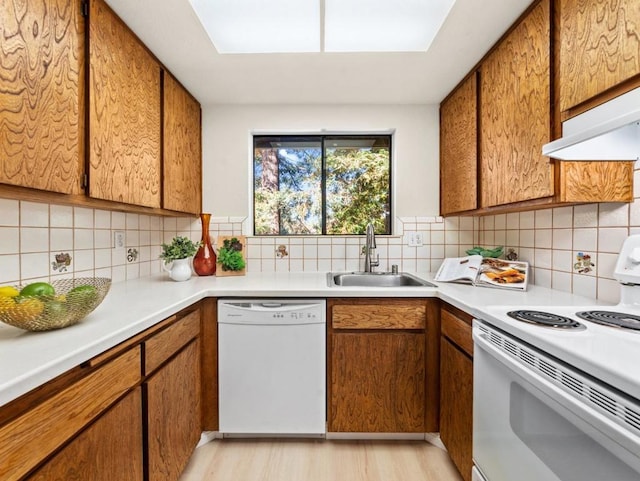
(180, 248)
(357, 190)
(230, 255)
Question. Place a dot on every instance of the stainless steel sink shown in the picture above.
(375, 279)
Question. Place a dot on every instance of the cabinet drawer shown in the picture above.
(458, 330)
(169, 341)
(30, 438)
(405, 315)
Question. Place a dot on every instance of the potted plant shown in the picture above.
(230, 256)
(178, 254)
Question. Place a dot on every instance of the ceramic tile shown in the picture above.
(610, 239)
(543, 258)
(83, 239)
(33, 214)
(102, 219)
(132, 271)
(513, 221)
(527, 220)
(9, 240)
(9, 213)
(34, 265)
(452, 223)
(310, 251)
(562, 239)
(296, 265)
(585, 215)
(608, 290)
(83, 260)
(118, 273)
(451, 236)
(102, 258)
(606, 264)
(563, 217)
(82, 218)
(562, 260)
(437, 237)
(561, 281)
(9, 269)
(544, 219)
(527, 238)
(613, 215)
(543, 238)
(34, 239)
(542, 277)
(584, 285)
(585, 240)
(61, 216)
(466, 223)
(489, 222)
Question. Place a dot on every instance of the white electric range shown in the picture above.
(556, 392)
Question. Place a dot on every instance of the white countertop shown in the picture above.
(28, 359)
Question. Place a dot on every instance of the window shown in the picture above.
(313, 185)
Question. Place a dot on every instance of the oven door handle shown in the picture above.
(613, 430)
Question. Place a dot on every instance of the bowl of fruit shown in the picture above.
(43, 306)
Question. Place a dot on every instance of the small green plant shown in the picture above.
(180, 248)
(230, 255)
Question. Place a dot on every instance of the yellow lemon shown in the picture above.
(26, 309)
(8, 291)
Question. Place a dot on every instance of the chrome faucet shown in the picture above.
(370, 246)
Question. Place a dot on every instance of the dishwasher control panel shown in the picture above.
(260, 311)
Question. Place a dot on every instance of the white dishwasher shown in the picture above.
(272, 366)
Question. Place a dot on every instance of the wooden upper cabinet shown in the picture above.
(124, 113)
(182, 152)
(515, 113)
(458, 149)
(42, 95)
(599, 47)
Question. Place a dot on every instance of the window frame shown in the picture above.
(322, 137)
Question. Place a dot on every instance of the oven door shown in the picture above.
(526, 428)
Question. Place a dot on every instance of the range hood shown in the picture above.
(610, 131)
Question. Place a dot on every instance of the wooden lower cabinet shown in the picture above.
(377, 382)
(109, 449)
(173, 414)
(377, 366)
(456, 390)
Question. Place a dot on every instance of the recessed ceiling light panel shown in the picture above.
(383, 25)
(258, 26)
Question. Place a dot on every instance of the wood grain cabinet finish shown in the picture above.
(43, 428)
(515, 113)
(459, 149)
(124, 113)
(456, 389)
(182, 149)
(173, 414)
(599, 48)
(377, 366)
(42, 94)
(108, 450)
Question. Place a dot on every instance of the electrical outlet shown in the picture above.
(119, 240)
(413, 239)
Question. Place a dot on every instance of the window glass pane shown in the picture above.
(287, 185)
(358, 184)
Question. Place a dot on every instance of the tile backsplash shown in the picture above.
(570, 248)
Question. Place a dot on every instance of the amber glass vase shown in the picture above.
(204, 262)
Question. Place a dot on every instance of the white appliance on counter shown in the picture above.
(272, 366)
(557, 389)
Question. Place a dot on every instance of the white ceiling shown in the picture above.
(172, 31)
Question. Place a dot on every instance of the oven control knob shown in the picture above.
(635, 255)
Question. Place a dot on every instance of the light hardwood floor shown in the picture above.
(319, 460)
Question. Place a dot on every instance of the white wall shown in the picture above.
(226, 137)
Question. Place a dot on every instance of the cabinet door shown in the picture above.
(377, 382)
(109, 449)
(182, 152)
(599, 47)
(515, 114)
(458, 149)
(456, 406)
(173, 414)
(124, 113)
(42, 95)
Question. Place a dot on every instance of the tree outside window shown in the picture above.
(316, 185)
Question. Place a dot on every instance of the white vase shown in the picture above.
(180, 269)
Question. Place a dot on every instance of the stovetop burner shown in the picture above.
(545, 319)
(613, 319)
